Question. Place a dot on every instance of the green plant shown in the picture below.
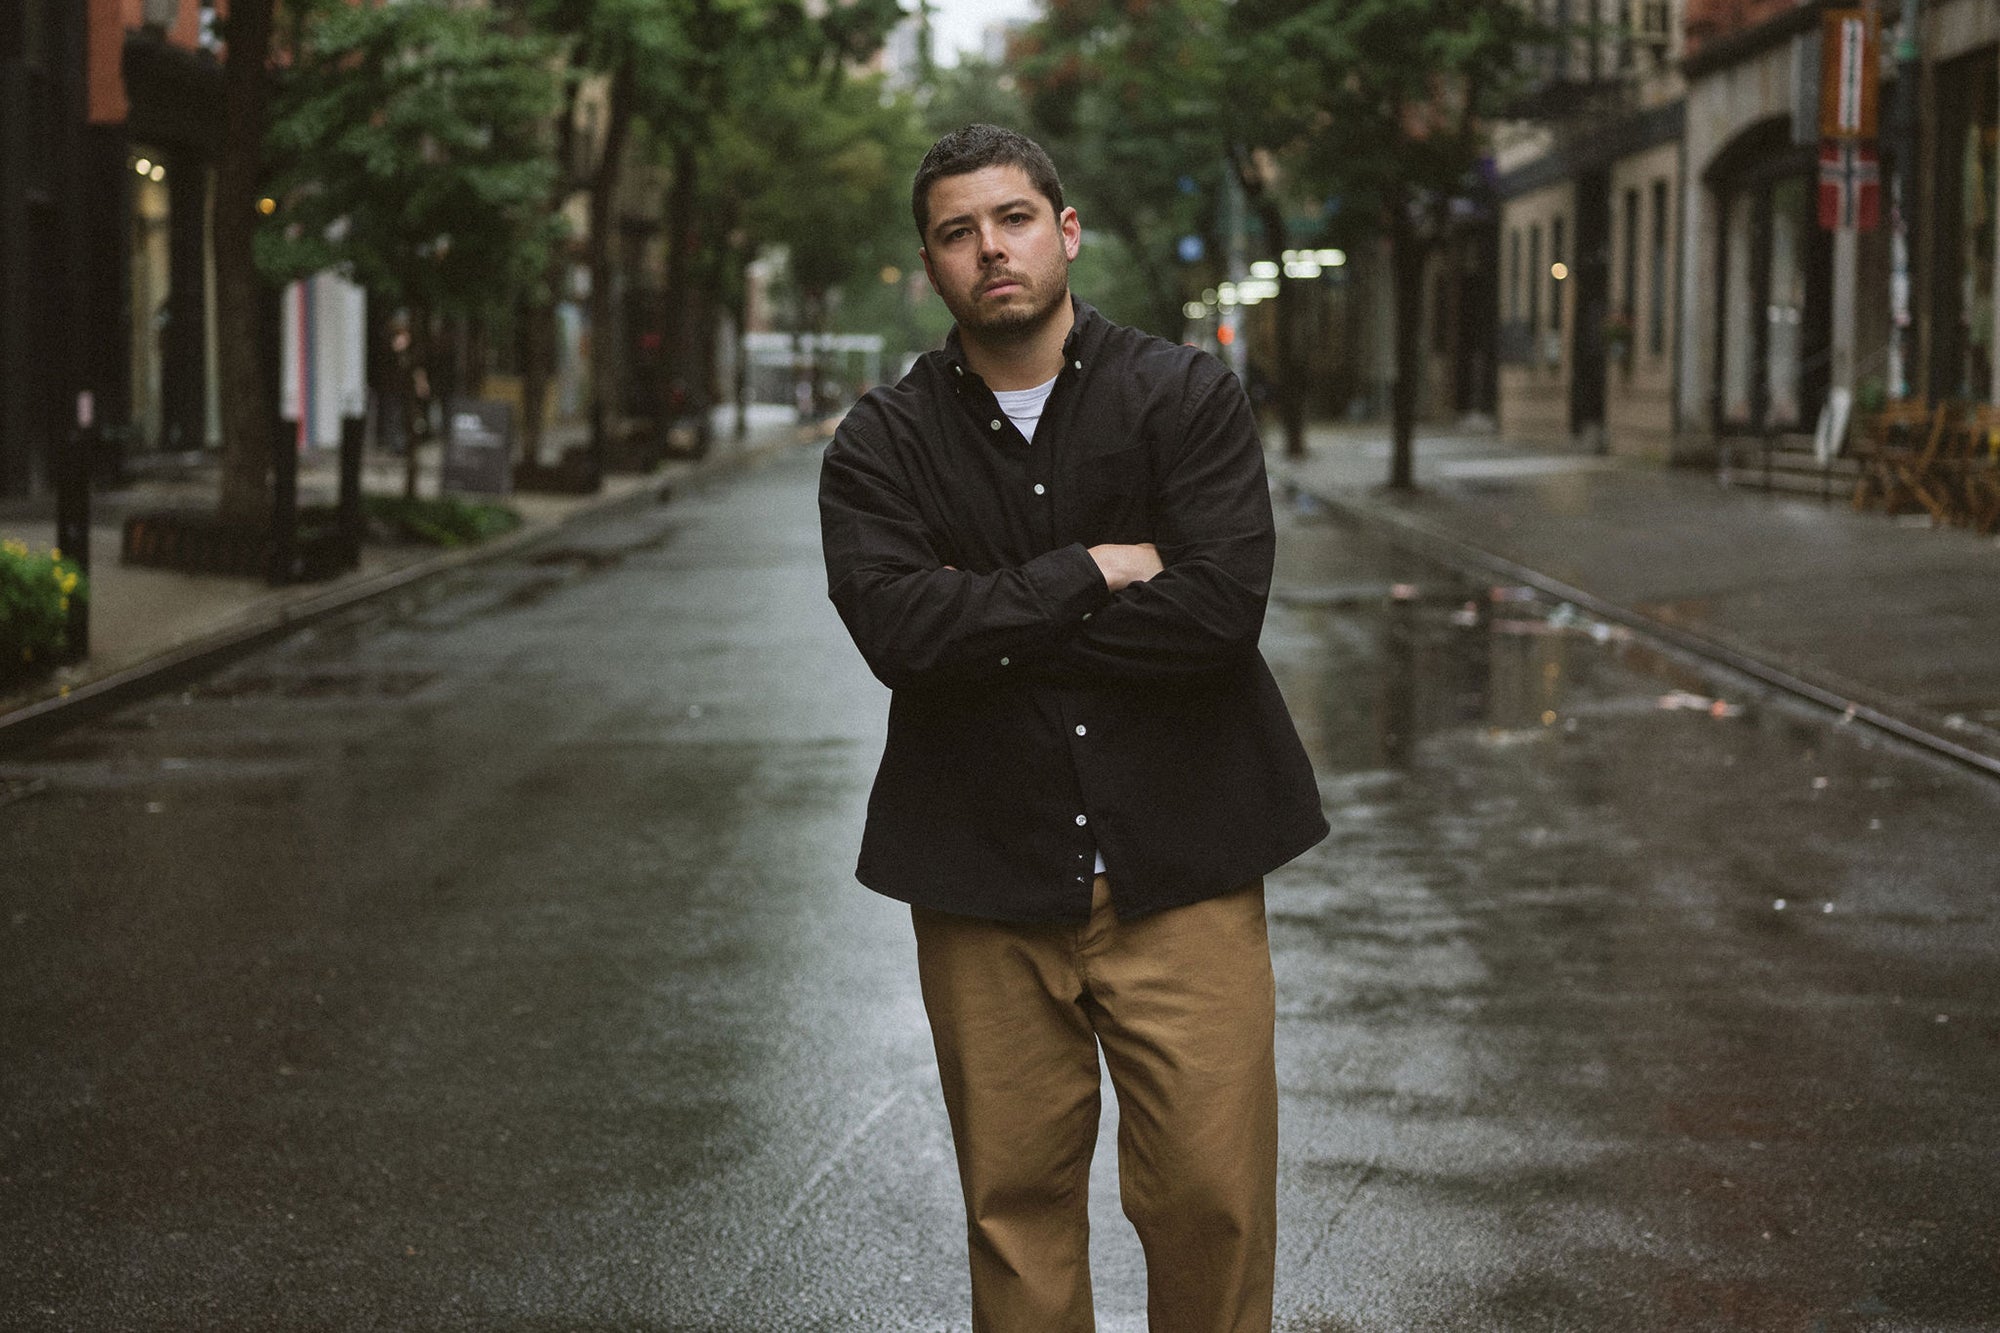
(1871, 395)
(37, 590)
(444, 521)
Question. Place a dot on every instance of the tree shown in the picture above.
(761, 120)
(1130, 98)
(408, 158)
(1385, 102)
(248, 408)
(1149, 106)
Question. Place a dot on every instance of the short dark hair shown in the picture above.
(974, 148)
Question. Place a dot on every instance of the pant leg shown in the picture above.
(1184, 1005)
(1018, 1065)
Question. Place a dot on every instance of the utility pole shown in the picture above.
(1902, 197)
(73, 435)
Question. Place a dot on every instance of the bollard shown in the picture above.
(352, 432)
(73, 514)
(284, 502)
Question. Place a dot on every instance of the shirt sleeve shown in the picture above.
(1212, 513)
(916, 622)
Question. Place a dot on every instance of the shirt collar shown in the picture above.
(1082, 330)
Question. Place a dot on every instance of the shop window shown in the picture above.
(1965, 191)
(1628, 258)
(152, 289)
(1557, 274)
(1775, 318)
(1514, 275)
(1535, 279)
(1785, 309)
(1656, 295)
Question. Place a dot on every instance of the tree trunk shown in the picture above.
(249, 404)
(538, 319)
(422, 355)
(1406, 267)
(538, 312)
(1291, 362)
(681, 360)
(603, 319)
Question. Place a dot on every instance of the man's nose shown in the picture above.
(990, 247)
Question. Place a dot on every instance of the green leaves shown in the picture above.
(412, 153)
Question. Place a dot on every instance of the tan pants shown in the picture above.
(1182, 1004)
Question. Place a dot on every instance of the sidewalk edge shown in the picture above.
(33, 723)
(1852, 703)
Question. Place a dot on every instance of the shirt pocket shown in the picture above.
(1115, 496)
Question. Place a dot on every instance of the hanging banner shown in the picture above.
(1849, 73)
(1850, 185)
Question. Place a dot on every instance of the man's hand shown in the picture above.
(1124, 566)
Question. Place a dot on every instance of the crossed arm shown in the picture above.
(1189, 602)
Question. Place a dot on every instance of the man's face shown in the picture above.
(997, 253)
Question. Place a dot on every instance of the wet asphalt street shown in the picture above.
(488, 958)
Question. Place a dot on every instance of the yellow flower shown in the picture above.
(13, 546)
(65, 603)
(68, 582)
(54, 554)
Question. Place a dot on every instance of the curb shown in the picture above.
(1849, 701)
(33, 723)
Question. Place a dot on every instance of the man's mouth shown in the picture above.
(1000, 286)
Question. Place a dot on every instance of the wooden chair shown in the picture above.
(1975, 466)
(1898, 452)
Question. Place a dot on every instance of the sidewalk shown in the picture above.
(1885, 617)
(148, 626)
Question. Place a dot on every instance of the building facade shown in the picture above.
(1589, 183)
(42, 219)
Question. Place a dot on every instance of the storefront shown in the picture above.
(172, 120)
(1964, 189)
(1773, 328)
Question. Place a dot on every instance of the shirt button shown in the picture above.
(995, 423)
(1079, 729)
(1081, 820)
(1086, 615)
(1006, 661)
(1041, 489)
(1078, 365)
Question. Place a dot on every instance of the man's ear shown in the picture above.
(1072, 233)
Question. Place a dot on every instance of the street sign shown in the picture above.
(478, 447)
(1849, 86)
(1850, 185)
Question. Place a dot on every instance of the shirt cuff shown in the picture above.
(1068, 583)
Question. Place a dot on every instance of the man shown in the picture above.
(1052, 540)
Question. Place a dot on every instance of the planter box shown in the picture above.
(200, 542)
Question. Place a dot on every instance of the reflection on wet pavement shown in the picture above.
(1624, 995)
(488, 959)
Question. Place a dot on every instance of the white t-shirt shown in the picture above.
(1024, 408)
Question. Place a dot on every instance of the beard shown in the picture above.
(1040, 296)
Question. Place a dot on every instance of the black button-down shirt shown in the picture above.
(1036, 717)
